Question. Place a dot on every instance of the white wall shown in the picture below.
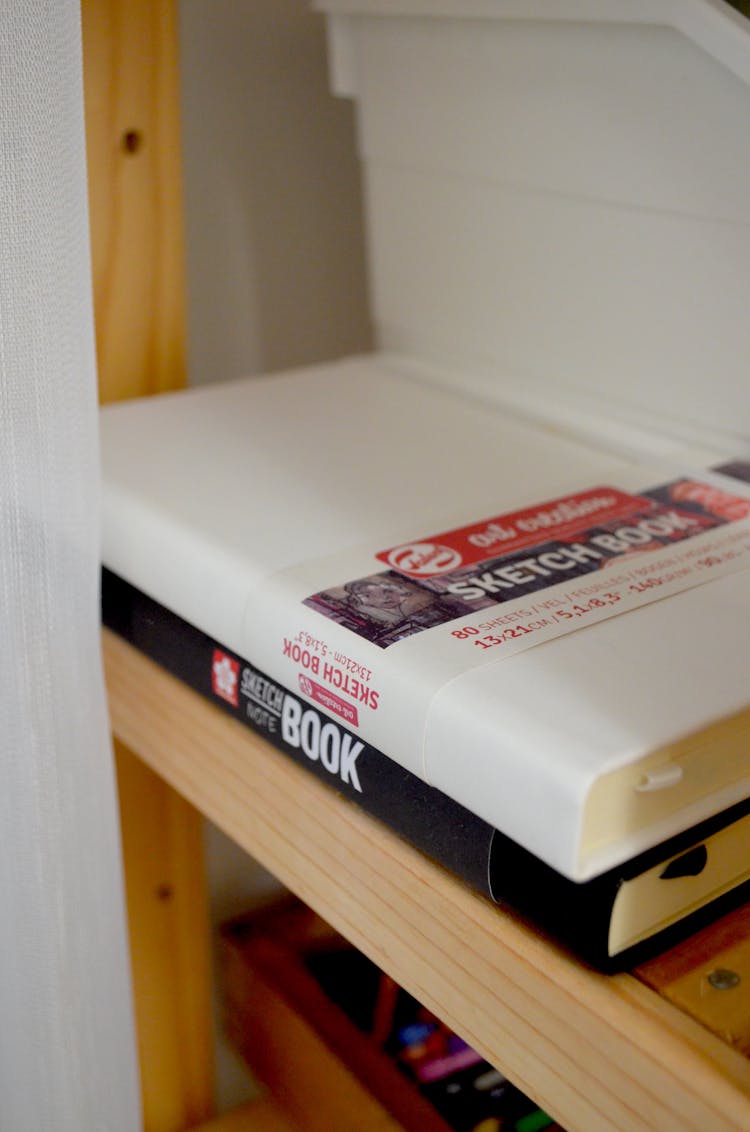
(275, 252)
(275, 249)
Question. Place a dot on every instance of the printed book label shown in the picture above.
(386, 630)
(520, 555)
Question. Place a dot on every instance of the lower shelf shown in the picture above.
(331, 1036)
(315, 1063)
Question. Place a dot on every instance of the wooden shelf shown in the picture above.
(597, 1052)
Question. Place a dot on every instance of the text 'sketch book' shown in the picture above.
(547, 634)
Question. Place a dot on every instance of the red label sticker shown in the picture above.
(225, 677)
(333, 703)
(452, 550)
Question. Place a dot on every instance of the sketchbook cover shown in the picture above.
(550, 633)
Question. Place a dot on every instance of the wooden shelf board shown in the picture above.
(597, 1052)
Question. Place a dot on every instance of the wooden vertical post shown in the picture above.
(132, 126)
(163, 850)
(135, 193)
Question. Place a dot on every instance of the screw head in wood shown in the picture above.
(723, 979)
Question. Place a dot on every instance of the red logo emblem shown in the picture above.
(424, 559)
(225, 678)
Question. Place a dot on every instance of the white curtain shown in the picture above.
(67, 1058)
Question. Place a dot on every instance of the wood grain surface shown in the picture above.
(708, 976)
(135, 194)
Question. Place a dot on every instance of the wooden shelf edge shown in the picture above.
(597, 1052)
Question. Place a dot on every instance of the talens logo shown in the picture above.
(321, 742)
(424, 559)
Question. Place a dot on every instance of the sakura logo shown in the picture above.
(305, 686)
(225, 677)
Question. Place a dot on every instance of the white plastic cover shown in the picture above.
(257, 508)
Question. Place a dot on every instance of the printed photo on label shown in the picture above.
(422, 589)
